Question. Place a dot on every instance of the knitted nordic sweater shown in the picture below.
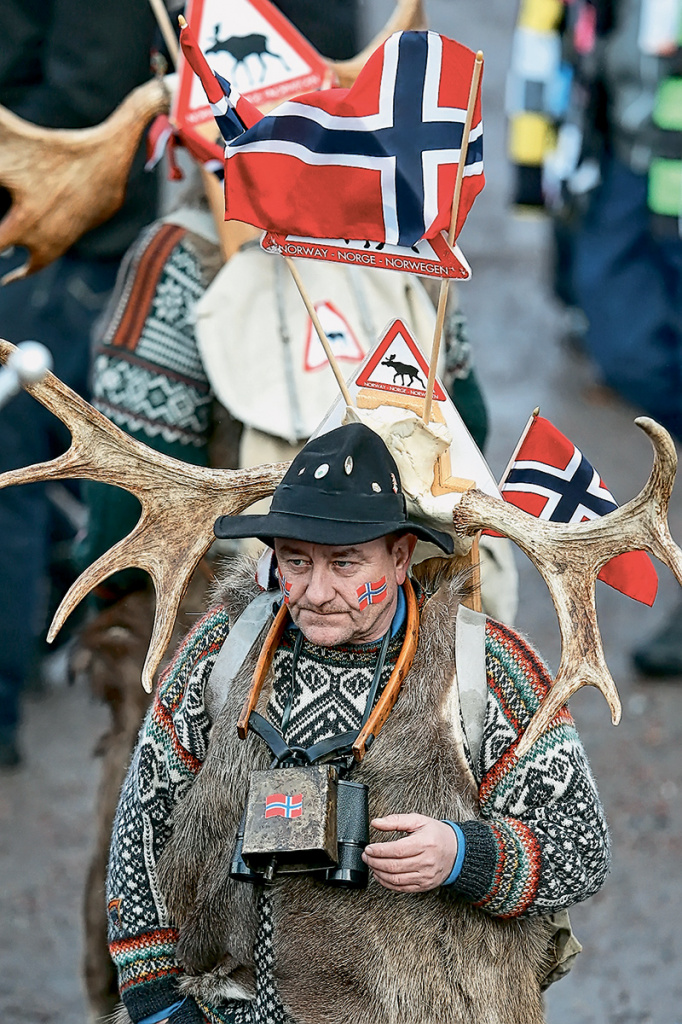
(541, 843)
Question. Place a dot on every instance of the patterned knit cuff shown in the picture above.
(188, 1013)
(143, 1000)
(480, 858)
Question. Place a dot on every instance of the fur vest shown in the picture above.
(348, 957)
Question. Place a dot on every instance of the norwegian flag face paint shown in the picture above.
(372, 593)
(285, 586)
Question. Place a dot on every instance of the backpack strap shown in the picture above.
(236, 649)
(471, 676)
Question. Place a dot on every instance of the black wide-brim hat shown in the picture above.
(342, 488)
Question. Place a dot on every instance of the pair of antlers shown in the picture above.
(180, 503)
(63, 182)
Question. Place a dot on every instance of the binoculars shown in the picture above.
(300, 820)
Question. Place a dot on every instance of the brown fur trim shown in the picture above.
(345, 957)
(119, 1016)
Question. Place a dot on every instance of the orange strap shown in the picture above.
(383, 706)
(262, 668)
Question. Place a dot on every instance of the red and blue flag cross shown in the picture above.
(570, 498)
(413, 124)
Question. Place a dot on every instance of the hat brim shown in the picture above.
(289, 526)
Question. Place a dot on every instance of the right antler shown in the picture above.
(569, 557)
(65, 181)
(180, 504)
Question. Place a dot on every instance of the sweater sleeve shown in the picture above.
(541, 843)
(170, 751)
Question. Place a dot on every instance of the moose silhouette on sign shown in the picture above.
(241, 48)
(403, 370)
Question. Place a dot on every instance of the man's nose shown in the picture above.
(320, 587)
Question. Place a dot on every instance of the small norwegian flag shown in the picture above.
(551, 479)
(285, 586)
(372, 593)
(277, 805)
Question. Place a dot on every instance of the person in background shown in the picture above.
(63, 64)
(595, 103)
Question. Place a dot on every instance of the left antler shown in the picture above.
(569, 557)
(180, 504)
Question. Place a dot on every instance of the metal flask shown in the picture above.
(290, 823)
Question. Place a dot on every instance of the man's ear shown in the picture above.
(402, 553)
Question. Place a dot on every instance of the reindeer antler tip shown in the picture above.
(16, 274)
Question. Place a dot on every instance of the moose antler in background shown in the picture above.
(408, 15)
(569, 558)
(180, 504)
(65, 181)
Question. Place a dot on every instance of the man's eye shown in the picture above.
(343, 564)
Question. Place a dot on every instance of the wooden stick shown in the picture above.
(166, 26)
(445, 282)
(320, 330)
(531, 419)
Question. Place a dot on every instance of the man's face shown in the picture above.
(323, 582)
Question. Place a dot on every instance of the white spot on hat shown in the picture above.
(348, 465)
(376, 487)
(301, 471)
(395, 483)
(321, 470)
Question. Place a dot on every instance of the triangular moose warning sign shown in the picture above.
(340, 335)
(398, 365)
(256, 48)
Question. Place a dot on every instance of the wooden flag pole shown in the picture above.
(531, 419)
(166, 27)
(445, 282)
(312, 313)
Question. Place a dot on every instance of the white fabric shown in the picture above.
(471, 675)
(252, 330)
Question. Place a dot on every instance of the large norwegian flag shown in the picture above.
(377, 161)
(551, 479)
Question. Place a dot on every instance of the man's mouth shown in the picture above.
(321, 614)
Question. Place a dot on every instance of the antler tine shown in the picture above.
(64, 181)
(180, 504)
(409, 14)
(569, 557)
(652, 502)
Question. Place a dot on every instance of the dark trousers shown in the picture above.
(628, 281)
(57, 307)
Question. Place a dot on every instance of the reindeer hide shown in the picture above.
(346, 957)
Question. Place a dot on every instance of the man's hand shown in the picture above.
(420, 861)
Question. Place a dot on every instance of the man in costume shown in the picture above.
(471, 849)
